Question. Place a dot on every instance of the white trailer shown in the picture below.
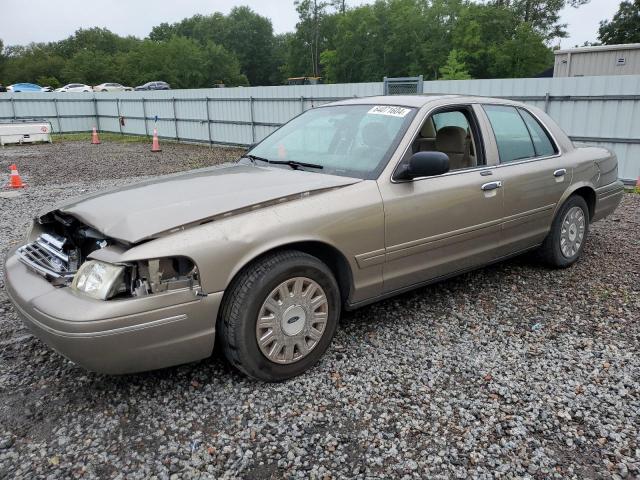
(27, 131)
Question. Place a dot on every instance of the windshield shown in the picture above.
(348, 140)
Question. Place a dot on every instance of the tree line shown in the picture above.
(448, 39)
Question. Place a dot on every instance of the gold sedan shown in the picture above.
(344, 205)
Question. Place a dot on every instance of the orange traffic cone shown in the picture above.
(14, 178)
(95, 139)
(155, 146)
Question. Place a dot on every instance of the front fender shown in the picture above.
(350, 220)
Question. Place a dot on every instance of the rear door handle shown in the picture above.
(560, 172)
(491, 186)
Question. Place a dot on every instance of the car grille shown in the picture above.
(47, 257)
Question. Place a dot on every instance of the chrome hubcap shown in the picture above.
(572, 233)
(292, 320)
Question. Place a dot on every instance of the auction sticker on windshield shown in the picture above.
(389, 110)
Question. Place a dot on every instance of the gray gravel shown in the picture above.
(62, 162)
(512, 371)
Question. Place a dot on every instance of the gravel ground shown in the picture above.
(512, 371)
(77, 161)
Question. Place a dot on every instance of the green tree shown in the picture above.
(310, 32)
(495, 43)
(624, 27)
(280, 68)
(523, 55)
(542, 15)
(93, 40)
(499, 38)
(243, 32)
(437, 30)
(455, 68)
(162, 32)
(358, 53)
(250, 37)
(391, 38)
(47, 81)
(91, 67)
(183, 62)
(27, 63)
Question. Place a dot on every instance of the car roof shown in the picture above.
(400, 100)
(419, 101)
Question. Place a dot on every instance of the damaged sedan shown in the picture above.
(346, 204)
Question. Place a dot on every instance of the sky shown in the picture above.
(47, 20)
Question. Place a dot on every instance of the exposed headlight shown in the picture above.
(99, 279)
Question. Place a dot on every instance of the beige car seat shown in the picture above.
(454, 141)
(426, 142)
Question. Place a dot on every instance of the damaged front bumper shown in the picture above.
(114, 336)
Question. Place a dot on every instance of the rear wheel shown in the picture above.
(568, 234)
(279, 315)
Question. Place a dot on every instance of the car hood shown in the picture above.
(161, 205)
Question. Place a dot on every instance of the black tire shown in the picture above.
(550, 251)
(244, 298)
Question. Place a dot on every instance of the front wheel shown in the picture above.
(279, 315)
(565, 242)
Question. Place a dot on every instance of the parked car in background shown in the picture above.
(75, 88)
(2, 88)
(47, 89)
(111, 87)
(24, 87)
(154, 86)
(346, 204)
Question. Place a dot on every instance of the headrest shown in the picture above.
(375, 134)
(428, 131)
(451, 139)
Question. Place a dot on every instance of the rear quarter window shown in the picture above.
(541, 141)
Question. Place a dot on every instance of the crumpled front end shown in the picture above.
(151, 315)
(61, 248)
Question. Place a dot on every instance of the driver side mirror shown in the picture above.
(423, 164)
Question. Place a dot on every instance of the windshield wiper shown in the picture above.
(292, 163)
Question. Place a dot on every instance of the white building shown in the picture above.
(601, 60)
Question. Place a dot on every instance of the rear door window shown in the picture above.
(512, 135)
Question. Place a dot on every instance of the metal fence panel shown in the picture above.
(595, 110)
(402, 85)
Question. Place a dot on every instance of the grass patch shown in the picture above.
(104, 137)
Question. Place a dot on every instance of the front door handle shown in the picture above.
(491, 186)
(560, 172)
